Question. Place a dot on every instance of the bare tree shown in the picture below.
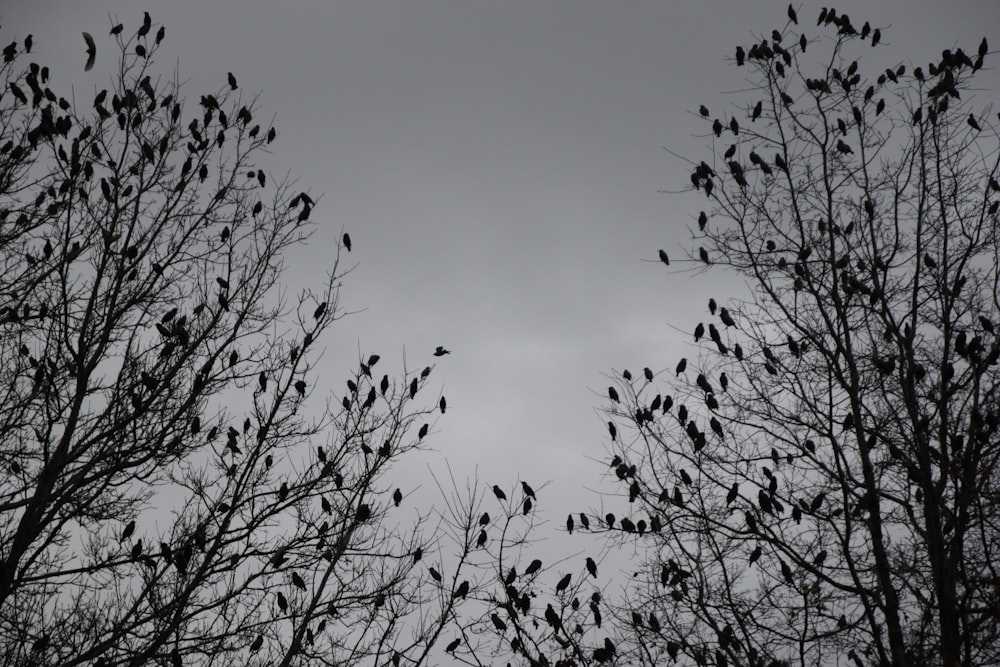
(822, 466)
(169, 492)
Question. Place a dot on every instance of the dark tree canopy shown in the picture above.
(170, 490)
(824, 461)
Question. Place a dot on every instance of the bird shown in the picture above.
(726, 318)
(591, 567)
(397, 497)
(792, 16)
(563, 583)
(298, 581)
(232, 80)
(462, 590)
(91, 51)
(257, 644)
(129, 530)
(699, 331)
(613, 394)
(973, 123)
(703, 110)
(664, 258)
(757, 110)
(681, 365)
(498, 492)
(300, 387)
(528, 491)
(347, 241)
(439, 351)
(703, 254)
(702, 221)
(533, 566)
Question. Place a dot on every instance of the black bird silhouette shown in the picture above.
(733, 492)
(699, 331)
(435, 575)
(648, 374)
(300, 387)
(498, 492)
(584, 521)
(91, 51)
(117, 29)
(232, 80)
(613, 394)
(462, 590)
(282, 602)
(563, 583)
(703, 254)
(682, 365)
(664, 258)
(298, 581)
(129, 530)
(726, 318)
(397, 497)
(756, 111)
(257, 644)
(528, 491)
(440, 351)
(702, 221)
(450, 648)
(533, 566)
(792, 16)
(347, 241)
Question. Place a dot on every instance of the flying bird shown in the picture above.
(91, 51)
(439, 351)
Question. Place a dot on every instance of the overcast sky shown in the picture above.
(498, 165)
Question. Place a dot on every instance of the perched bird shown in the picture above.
(702, 221)
(757, 111)
(792, 16)
(533, 566)
(397, 497)
(129, 530)
(703, 110)
(703, 255)
(347, 241)
(439, 351)
(232, 81)
(613, 394)
(563, 583)
(682, 365)
(91, 51)
(664, 258)
(726, 318)
(591, 567)
(528, 491)
(498, 492)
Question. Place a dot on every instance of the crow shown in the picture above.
(91, 51)
(439, 351)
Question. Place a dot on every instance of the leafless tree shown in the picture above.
(822, 466)
(170, 491)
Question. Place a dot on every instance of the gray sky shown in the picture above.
(497, 165)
